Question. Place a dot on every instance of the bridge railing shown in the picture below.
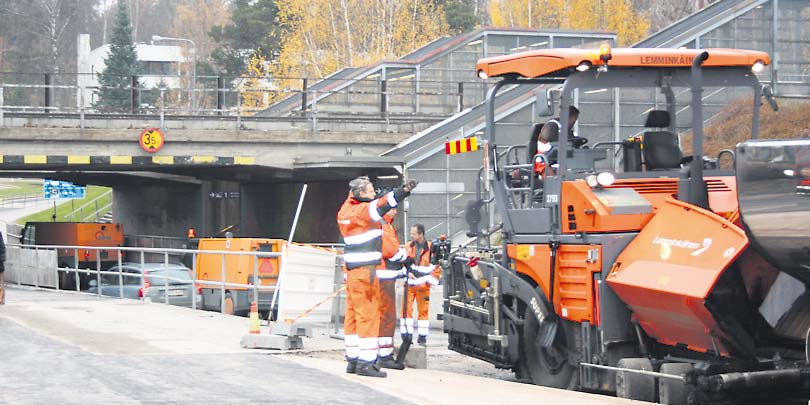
(240, 97)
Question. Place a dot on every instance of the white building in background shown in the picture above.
(158, 63)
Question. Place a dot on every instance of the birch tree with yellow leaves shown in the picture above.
(609, 15)
(322, 36)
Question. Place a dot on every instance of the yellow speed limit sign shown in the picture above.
(152, 140)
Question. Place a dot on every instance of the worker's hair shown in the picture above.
(419, 228)
(359, 185)
(573, 111)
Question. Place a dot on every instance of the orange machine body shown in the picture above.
(592, 211)
(574, 289)
(666, 273)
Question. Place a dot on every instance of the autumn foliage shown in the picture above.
(607, 15)
(733, 124)
(322, 36)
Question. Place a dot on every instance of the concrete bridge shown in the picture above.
(209, 174)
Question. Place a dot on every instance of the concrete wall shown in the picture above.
(221, 207)
(268, 210)
(159, 209)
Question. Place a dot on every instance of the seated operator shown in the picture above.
(550, 132)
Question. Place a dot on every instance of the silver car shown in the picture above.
(150, 282)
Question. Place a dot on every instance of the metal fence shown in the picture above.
(21, 201)
(212, 96)
(52, 272)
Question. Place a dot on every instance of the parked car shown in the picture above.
(149, 282)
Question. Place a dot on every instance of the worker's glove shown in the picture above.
(410, 185)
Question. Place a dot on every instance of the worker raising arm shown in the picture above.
(359, 223)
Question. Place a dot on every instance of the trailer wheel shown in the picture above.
(549, 366)
(672, 391)
(229, 306)
(635, 386)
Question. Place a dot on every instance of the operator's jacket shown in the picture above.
(427, 271)
(359, 224)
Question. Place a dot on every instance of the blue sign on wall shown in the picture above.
(55, 189)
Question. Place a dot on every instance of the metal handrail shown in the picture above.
(71, 214)
(222, 284)
(149, 250)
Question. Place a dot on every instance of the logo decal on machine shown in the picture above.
(537, 311)
(667, 245)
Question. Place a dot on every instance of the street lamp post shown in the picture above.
(192, 97)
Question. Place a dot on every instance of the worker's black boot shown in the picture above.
(389, 362)
(369, 370)
(422, 340)
(351, 366)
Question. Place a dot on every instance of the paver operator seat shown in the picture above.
(661, 150)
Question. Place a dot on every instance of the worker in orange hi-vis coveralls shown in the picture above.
(428, 274)
(391, 269)
(359, 222)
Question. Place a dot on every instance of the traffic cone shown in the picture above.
(254, 319)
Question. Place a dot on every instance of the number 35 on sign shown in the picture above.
(152, 140)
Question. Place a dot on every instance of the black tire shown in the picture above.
(635, 386)
(672, 391)
(550, 366)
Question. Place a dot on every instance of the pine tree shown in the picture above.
(121, 65)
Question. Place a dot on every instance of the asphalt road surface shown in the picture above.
(62, 347)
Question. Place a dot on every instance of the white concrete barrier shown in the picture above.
(307, 278)
(31, 267)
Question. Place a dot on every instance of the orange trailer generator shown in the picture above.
(237, 269)
(77, 234)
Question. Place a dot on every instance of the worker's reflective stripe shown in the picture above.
(399, 256)
(363, 237)
(423, 327)
(424, 269)
(351, 342)
(362, 257)
(389, 274)
(423, 280)
(368, 349)
(392, 201)
(372, 211)
(543, 147)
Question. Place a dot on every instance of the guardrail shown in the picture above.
(370, 96)
(21, 201)
(79, 214)
(75, 270)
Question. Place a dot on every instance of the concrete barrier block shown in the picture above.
(272, 342)
(416, 357)
(286, 329)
